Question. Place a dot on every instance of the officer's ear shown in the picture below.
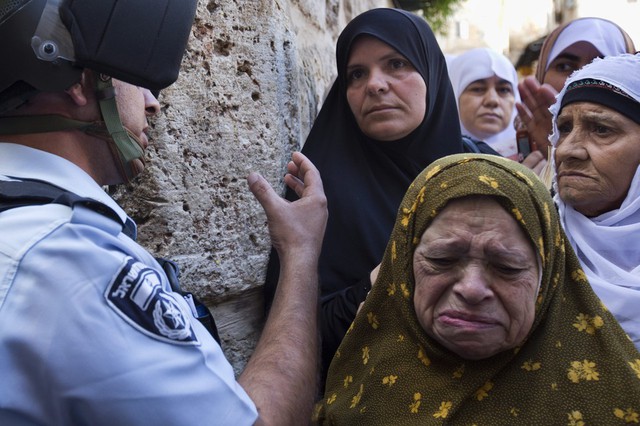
(81, 92)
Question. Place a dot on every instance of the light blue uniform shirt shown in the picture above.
(90, 332)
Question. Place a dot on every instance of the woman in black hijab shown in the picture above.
(364, 178)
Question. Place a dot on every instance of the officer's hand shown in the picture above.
(296, 228)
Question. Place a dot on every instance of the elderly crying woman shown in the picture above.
(481, 314)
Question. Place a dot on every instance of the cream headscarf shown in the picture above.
(607, 37)
(576, 366)
(608, 245)
(481, 63)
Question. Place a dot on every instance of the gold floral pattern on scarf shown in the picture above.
(576, 367)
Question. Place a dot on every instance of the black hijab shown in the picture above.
(365, 179)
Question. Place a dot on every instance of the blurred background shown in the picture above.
(514, 27)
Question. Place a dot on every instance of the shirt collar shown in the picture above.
(23, 162)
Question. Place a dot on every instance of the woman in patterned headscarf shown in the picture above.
(557, 358)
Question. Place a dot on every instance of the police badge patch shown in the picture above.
(136, 294)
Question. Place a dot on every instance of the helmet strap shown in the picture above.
(24, 124)
(124, 145)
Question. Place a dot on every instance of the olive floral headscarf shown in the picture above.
(576, 366)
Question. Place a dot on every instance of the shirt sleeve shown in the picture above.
(92, 334)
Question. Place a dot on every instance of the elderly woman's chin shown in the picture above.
(476, 343)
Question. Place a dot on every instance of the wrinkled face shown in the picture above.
(486, 106)
(476, 279)
(570, 59)
(596, 157)
(386, 94)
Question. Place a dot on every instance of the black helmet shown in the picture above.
(45, 44)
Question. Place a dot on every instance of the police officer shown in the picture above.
(90, 331)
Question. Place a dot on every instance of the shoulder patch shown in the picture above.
(136, 294)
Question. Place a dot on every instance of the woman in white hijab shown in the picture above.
(596, 155)
(485, 85)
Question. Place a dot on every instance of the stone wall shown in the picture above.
(252, 80)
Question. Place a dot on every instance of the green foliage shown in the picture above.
(436, 12)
